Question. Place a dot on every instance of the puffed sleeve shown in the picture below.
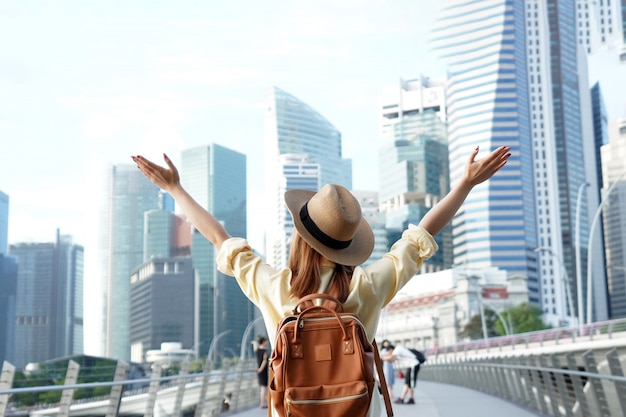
(401, 263)
(233, 253)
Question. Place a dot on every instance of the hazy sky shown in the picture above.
(88, 83)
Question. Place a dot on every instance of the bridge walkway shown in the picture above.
(433, 399)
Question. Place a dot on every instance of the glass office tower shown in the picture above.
(484, 46)
(49, 300)
(216, 178)
(128, 195)
(294, 127)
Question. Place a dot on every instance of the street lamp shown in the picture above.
(579, 275)
(566, 284)
(589, 246)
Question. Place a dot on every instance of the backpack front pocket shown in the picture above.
(348, 399)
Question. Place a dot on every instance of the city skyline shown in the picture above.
(166, 78)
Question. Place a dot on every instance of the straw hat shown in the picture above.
(330, 221)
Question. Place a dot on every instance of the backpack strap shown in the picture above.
(307, 301)
(383, 381)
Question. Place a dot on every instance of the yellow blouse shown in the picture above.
(371, 287)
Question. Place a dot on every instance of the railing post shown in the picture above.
(115, 398)
(562, 387)
(71, 376)
(221, 394)
(577, 383)
(549, 387)
(6, 381)
(180, 392)
(596, 384)
(202, 406)
(152, 391)
(615, 367)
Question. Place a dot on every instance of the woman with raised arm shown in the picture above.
(331, 239)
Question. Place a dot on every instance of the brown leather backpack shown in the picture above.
(323, 364)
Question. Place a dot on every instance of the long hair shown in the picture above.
(305, 264)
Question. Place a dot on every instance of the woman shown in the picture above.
(330, 240)
(262, 360)
(386, 355)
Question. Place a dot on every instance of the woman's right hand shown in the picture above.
(164, 178)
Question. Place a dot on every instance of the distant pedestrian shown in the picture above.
(410, 360)
(262, 359)
(386, 355)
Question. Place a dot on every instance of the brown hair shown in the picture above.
(305, 264)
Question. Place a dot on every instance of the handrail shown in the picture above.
(566, 384)
(231, 378)
(559, 333)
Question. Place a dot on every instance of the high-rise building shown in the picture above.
(370, 209)
(49, 302)
(163, 305)
(614, 215)
(294, 172)
(561, 115)
(408, 98)
(216, 178)
(484, 46)
(8, 289)
(128, 195)
(413, 160)
(600, 23)
(4, 222)
(294, 127)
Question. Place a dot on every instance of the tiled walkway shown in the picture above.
(442, 400)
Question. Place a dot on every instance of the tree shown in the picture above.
(525, 318)
(474, 328)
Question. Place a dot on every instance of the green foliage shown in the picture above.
(526, 318)
(474, 328)
(523, 318)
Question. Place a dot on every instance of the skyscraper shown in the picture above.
(484, 46)
(163, 305)
(216, 178)
(413, 160)
(294, 127)
(129, 194)
(614, 216)
(561, 115)
(295, 172)
(600, 23)
(4, 222)
(49, 305)
(8, 289)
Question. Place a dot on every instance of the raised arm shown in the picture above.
(169, 180)
(475, 173)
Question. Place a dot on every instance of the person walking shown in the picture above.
(262, 359)
(330, 240)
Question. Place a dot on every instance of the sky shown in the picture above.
(85, 84)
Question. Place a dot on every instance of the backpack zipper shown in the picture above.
(327, 401)
(301, 324)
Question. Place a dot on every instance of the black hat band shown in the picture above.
(320, 236)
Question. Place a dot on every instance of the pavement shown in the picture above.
(433, 399)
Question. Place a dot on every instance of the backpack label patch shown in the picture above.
(323, 353)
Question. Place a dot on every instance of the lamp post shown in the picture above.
(505, 325)
(566, 284)
(579, 276)
(604, 201)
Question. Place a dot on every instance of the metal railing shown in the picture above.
(569, 384)
(561, 335)
(209, 393)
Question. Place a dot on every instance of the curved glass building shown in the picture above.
(294, 127)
